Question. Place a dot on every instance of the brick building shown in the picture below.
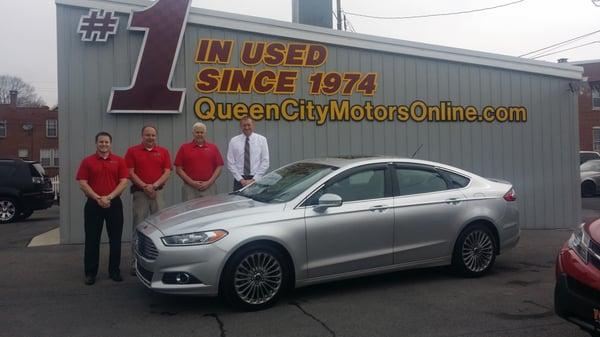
(589, 106)
(30, 133)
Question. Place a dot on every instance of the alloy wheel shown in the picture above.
(8, 210)
(258, 278)
(477, 251)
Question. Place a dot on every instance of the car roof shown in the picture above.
(348, 161)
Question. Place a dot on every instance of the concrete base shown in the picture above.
(50, 238)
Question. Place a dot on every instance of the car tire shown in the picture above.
(255, 277)
(26, 213)
(9, 210)
(474, 251)
(588, 189)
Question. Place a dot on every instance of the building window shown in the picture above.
(595, 99)
(2, 129)
(596, 136)
(51, 128)
(23, 153)
(49, 157)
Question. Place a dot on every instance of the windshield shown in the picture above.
(287, 182)
(40, 170)
(592, 165)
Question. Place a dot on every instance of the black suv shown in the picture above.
(24, 188)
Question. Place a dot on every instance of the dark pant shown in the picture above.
(237, 185)
(94, 217)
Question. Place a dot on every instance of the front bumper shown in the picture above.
(576, 295)
(203, 262)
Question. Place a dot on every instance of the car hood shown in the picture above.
(593, 229)
(213, 212)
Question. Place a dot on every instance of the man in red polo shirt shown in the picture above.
(199, 164)
(102, 177)
(149, 168)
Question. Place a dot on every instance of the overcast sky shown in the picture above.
(28, 28)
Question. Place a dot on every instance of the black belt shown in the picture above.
(248, 177)
(135, 188)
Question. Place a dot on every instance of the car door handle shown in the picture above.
(378, 208)
(453, 201)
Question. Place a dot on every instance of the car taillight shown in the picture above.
(510, 195)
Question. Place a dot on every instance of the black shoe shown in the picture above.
(89, 280)
(116, 277)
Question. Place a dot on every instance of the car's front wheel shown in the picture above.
(9, 210)
(475, 251)
(255, 278)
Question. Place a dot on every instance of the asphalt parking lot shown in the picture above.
(43, 295)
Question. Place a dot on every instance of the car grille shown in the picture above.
(145, 274)
(145, 247)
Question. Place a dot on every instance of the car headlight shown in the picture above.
(580, 243)
(198, 238)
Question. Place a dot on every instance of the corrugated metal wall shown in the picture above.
(539, 156)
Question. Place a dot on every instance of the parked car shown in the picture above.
(327, 219)
(24, 188)
(588, 155)
(577, 291)
(590, 178)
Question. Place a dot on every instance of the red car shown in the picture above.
(577, 291)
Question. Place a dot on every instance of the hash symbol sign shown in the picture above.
(97, 25)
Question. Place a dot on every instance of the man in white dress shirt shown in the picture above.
(247, 155)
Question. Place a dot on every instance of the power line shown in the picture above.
(560, 51)
(561, 43)
(432, 15)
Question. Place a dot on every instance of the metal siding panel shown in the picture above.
(388, 89)
(445, 135)
(485, 89)
(378, 129)
(454, 96)
(412, 133)
(475, 129)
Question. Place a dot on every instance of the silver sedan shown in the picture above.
(320, 220)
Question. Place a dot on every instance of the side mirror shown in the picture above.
(328, 200)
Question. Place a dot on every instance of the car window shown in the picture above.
(363, 185)
(286, 183)
(6, 171)
(585, 156)
(416, 181)
(456, 180)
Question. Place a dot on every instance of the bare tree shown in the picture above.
(26, 92)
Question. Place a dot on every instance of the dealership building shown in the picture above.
(313, 92)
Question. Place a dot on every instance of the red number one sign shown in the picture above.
(163, 23)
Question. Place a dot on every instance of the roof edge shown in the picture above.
(355, 40)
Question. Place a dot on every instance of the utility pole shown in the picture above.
(339, 14)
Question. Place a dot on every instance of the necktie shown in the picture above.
(247, 157)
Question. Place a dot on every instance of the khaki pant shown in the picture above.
(189, 193)
(142, 208)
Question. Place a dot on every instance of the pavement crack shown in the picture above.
(296, 304)
(219, 321)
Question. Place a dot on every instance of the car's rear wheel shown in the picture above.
(588, 189)
(475, 251)
(9, 210)
(255, 278)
